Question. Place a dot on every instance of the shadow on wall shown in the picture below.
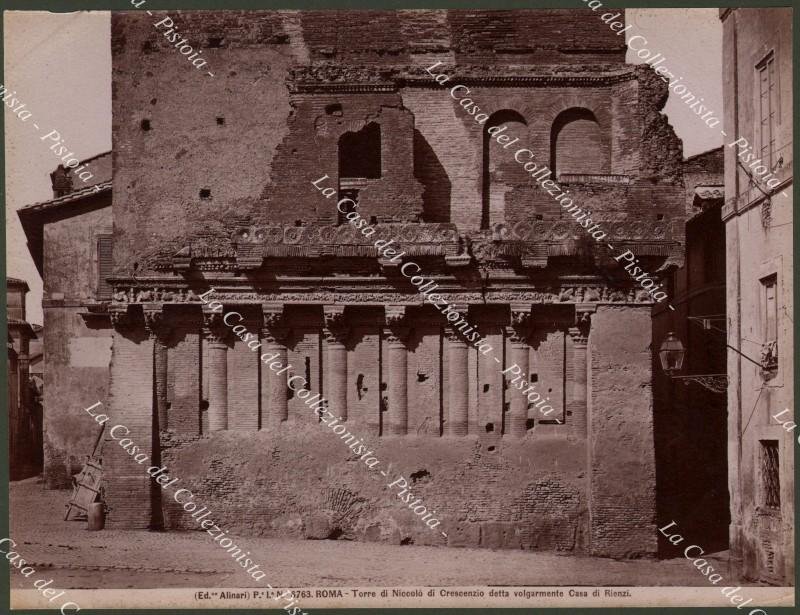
(436, 184)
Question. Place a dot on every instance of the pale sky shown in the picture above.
(60, 66)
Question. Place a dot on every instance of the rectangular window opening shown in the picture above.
(766, 107)
(105, 265)
(769, 324)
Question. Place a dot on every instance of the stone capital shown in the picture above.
(516, 335)
(273, 328)
(120, 319)
(214, 328)
(337, 328)
(273, 315)
(583, 317)
(395, 315)
(579, 336)
(520, 323)
(156, 324)
(454, 336)
(397, 328)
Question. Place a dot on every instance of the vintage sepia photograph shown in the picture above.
(399, 308)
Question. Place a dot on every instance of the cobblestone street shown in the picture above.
(77, 558)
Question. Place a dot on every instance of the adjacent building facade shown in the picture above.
(757, 80)
(69, 238)
(24, 405)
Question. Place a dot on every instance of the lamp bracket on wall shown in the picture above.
(717, 383)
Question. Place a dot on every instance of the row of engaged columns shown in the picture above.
(274, 396)
(274, 392)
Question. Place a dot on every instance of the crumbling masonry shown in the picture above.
(212, 188)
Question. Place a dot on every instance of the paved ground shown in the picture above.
(77, 558)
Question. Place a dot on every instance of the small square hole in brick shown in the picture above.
(221, 121)
(215, 42)
(145, 125)
(205, 193)
(659, 216)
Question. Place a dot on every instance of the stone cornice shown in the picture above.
(530, 242)
(753, 197)
(380, 294)
(369, 79)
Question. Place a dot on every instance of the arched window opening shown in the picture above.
(497, 168)
(360, 153)
(578, 146)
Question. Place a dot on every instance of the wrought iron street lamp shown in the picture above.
(672, 353)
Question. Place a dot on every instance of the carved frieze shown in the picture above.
(566, 293)
(313, 235)
(339, 79)
(154, 295)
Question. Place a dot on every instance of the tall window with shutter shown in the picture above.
(769, 307)
(765, 74)
(104, 266)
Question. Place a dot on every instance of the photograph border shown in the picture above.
(121, 5)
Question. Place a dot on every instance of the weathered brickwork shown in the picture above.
(271, 484)
(620, 356)
(297, 96)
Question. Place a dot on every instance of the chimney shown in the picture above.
(62, 181)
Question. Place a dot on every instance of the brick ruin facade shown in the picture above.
(212, 189)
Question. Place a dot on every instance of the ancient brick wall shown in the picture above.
(184, 370)
(130, 403)
(622, 465)
(155, 208)
(280, 480)
(530, 495)
(287, 88)
(229, 146)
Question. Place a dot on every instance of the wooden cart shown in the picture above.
(87, 484)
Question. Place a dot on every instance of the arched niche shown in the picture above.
(498, 167)
(578, 144)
